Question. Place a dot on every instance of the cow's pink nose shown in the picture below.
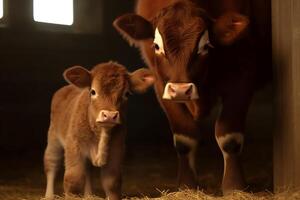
(106, 116)
(180, 91)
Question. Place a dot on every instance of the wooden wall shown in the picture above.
(286, 57)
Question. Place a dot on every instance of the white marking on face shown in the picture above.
(202, 45)
(192, 143)
(158, 43)
(222, 140)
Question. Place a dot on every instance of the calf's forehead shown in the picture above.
(109, 79)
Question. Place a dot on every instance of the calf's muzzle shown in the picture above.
(106, 116)
(180, 91)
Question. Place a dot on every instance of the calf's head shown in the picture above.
(105, 88)
(109, 85)
(181, 37)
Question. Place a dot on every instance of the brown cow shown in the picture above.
(201, 50)
(88, 123)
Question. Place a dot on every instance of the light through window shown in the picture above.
(53, 11)
(1, 9)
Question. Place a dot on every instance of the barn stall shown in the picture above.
(34, 54)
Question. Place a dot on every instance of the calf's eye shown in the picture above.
(93, 92)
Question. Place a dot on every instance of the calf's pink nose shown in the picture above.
(180, 91)
(106, 116)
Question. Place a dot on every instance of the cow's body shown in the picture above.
(88, 125)
(234, 72)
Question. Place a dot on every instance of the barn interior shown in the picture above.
(32, 60)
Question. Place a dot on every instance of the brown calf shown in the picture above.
(201, 50)
(88, 123)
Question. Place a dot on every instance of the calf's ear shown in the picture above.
(78, 76)
(140, 80)
(134, 27)
(229, 28)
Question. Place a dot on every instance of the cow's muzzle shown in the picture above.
(108, 117)
(180, 92)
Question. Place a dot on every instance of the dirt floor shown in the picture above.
(148, 171)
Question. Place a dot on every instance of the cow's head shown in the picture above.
(182, 36)
(109, 85)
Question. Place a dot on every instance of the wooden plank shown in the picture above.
(286, 58)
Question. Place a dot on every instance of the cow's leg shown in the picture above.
(231, 146)
(75, 168)
(186, 150)
(52, 160)
(185, 131)
(111, 172)
(229, 133)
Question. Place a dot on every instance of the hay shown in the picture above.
(198, 195)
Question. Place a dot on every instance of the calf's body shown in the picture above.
(88, 125)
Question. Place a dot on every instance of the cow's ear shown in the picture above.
(140, 80)
(229, 28)
(134, 27)
(78, 76)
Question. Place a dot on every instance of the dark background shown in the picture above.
(33, 57)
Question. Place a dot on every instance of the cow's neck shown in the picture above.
(194, 108)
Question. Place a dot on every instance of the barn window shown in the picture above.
(53, 11)
(1, 9)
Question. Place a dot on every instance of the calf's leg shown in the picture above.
(186, 149)
(52, 159)
(75, 168)
(88, 185)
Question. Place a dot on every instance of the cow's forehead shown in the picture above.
(181, 12)
(180, 37)
(180, 26)
(180, 15)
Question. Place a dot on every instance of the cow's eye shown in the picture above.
(158, 43)
(126, 95)
(156, 47)
(204, 44)
(93, 92)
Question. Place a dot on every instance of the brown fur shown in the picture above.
(73, 127)
(238, 64)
